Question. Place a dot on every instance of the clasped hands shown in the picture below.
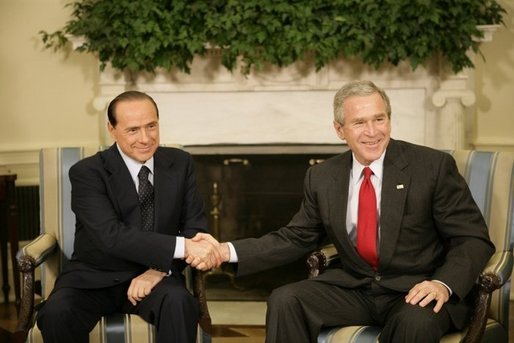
(204, 252)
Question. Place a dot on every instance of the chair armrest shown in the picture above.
(494, 276)
(320, 259)
(30, 257)
(38, 249)
(500, 265)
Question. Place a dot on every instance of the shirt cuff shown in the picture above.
(233, 254)
(180, 248)
(445, 285)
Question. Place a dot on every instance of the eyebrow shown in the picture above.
(155, 122)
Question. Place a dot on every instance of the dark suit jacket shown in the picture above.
(430, 227)
(109, 245)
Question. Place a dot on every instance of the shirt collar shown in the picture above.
(377, 167)
(135, 166)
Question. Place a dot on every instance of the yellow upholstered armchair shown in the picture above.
(490, 176)
(54, 246)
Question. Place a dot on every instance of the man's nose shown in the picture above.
(144, 136)
(370, 127)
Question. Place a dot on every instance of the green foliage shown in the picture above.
(146, 35)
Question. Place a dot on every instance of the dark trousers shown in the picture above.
(70, 314)
(298, 311)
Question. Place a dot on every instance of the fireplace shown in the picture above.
(250, 190)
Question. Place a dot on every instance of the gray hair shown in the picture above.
(357, 88)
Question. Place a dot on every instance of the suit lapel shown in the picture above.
(165, 186)
(119, 178)
(395, 185)
(338, 200)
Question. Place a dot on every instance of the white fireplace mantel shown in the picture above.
(291, 105)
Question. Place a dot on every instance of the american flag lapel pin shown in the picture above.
(400, 186)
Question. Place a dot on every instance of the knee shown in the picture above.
(283, 297)
(52, 315)
(415, 325)
(181, 299)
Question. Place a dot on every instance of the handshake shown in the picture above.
(204, 252)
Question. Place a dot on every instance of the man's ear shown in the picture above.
(110, 128)
(339, 129)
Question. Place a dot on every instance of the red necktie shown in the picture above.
(367, 221)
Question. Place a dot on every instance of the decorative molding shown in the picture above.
(441, 97)
(488, 31)
(19, 157)
(493, 143)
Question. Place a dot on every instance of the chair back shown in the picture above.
(490, 176)
(57, 217)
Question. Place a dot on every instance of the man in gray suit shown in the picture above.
(428, 245)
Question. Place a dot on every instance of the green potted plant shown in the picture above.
(149, 35)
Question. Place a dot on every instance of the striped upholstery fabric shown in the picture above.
(490, 176)
(58, 219)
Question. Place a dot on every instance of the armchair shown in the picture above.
(490, 176)
(54, 246)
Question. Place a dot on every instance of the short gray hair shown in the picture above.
(357, 88)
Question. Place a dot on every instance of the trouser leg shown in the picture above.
(172, 309)
(70, 314)
(406, 323)
(296, 312)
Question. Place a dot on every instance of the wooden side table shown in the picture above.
(9, 232)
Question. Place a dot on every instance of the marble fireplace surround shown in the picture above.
(294, 105)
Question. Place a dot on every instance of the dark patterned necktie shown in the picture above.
(367, 221)
(145, 193)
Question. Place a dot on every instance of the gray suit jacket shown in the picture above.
(109, 245)
(430, 226)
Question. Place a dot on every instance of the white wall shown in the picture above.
(495, 88)
(45, 96)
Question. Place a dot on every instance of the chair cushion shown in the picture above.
(494, 333)
(350, 334)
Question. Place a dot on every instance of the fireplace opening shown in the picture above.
(249, 191)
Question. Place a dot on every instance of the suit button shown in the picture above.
(116, 280)
(378, 278)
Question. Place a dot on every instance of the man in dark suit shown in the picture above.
(413, 273)
(133, 232)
